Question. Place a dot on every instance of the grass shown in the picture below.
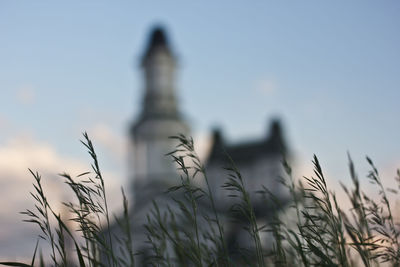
(190, 230)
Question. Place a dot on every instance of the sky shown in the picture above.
(330, 70)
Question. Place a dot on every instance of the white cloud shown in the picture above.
(104, 136)
(4, 123)
(387, 175)
(17, 154)
(6, 128)
(26, 95)
(304, 168)
(266, 86)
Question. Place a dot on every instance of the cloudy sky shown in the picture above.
(329, 69)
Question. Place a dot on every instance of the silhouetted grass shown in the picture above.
(189, 230)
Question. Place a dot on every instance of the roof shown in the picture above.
(248, 151)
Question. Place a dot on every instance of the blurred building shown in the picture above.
(259, 161)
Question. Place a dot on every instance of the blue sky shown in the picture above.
(329, 69)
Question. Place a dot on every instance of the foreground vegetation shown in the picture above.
(323, 234)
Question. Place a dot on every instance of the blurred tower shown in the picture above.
(159, 118)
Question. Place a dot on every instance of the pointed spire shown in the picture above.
(157, 40)
(158, 37)
(159, 67)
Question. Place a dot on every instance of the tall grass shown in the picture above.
(190, 230)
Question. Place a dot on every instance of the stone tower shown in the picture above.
(159, 118)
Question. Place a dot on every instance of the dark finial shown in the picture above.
(276, 139)
(158, 37)
(275, 128)
(217, 146)
(217, 137)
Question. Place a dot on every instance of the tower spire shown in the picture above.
(159, 66)
(157, 40)
(159, 118)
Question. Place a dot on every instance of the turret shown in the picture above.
(159, 118)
